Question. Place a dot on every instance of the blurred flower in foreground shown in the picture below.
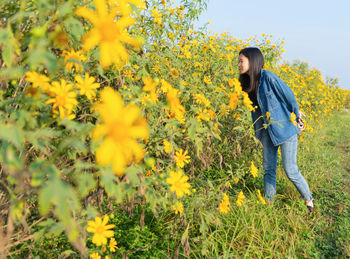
(120, 128)
(110, 33)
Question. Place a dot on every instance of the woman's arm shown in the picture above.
(287, 96)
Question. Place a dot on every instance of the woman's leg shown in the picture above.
(289, 158)
(270, 165)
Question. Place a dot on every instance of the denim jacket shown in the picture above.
(274, 96)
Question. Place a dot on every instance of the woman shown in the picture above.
(275, 106)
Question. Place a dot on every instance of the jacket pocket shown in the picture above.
(272, 102)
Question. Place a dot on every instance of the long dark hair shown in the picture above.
(250, 80)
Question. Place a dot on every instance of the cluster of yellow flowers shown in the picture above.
(61, 93)
(224, 204)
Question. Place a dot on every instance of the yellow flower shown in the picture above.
(237, 85)
(150, 85)
(212, 114)
(236, 116)
(231, 82)
(178, 207)
(262, 200)
(156, 68)
(109, 33)
(176, 109)
(233, 101)
(165, 86)
(73, 59)
(38, 80)
(175, 73)
(178, 183)
(95, 256)
(119, 129)
(112, 244)
(224, 204)
(253, 170)
(247, 102)
(268, 115)
(240, 199)
(236, 179)
(168, 148)
(157, 17)
(207, 80)
(293, 118)
(200, 98)
(87, 85)
(181, 158)
(100, 229)
(63, 99)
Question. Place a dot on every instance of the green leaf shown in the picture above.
(47, 198)
(41, 56)
(108, 180)
(41, 171)
(60, 194)
(51, 227)
(12, 134)
(86, 183)
(10, 157)
(193, 126)
(131, 172)
(75, 27)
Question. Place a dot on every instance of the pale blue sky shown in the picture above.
(317, 32)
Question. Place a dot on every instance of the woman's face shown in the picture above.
(243, 64)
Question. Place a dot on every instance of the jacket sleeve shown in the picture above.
(287, 96)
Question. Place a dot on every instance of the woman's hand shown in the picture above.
(301, 125)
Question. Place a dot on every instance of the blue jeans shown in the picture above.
(289, 158)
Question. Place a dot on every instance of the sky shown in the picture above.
(317, 32)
